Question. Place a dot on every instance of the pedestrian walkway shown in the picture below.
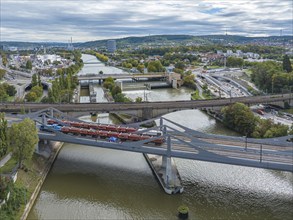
(5, 159)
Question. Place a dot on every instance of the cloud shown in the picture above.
(84, 20)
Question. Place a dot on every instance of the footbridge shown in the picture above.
(146, 110)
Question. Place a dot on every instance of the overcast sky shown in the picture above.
(87, 20)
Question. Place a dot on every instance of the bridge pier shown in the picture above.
(147, 113)
(165, 169)
(44, 120)
(166, 164)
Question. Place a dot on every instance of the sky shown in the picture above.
(89, 20)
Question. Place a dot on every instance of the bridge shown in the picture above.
(146, 110)
(122, 76)
(182, 142)
(91, 62)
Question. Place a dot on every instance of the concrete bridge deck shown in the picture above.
(151, 109)
(279, 158)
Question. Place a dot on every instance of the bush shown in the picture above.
(17, 198)
(183, 209)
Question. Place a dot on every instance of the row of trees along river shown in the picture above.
(95, 183)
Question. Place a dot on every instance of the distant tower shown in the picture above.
(70, 45)
(226, 32)
(281, 33)
(111, 46)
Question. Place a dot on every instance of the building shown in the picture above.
(229, 53)
(111, 46)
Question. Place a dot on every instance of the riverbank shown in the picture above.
(35, 186)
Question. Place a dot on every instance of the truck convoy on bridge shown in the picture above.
(101, 131)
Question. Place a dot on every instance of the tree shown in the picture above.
(109, 83)
(3, 95)
(138, 99)
(10, 89)
(278, 130)
(28, 65)
(140, 68)
(31, 97)
(234, 62)
(23, 139)
(239, 117)
(287, 64)
(121, 98)
(3, 135)
(38, 90)
(2, 73)
(180, 65)
(262, 74)
(39, 80)
(281, 81)
(188, 80)
(101, 72)
(5, 182)
(115, 90)
(34, 80)
(155, 66)
(45, 99)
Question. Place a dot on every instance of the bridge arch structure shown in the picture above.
(182, 142)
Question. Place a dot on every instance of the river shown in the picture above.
(95, 183)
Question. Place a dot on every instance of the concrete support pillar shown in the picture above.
(52, 113)
(147, 113)
(168, 164)
(169, 173)
(174, 83)
(161, 124)
(37, 149)
(121, 85)
(44, 120)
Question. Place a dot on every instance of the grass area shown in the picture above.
(195, 95)
(214, 67)
(29, 179)
(207, 96)
(248, 72)
(10, 98)
(288, 110)
(125, 116)
(9, 166)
